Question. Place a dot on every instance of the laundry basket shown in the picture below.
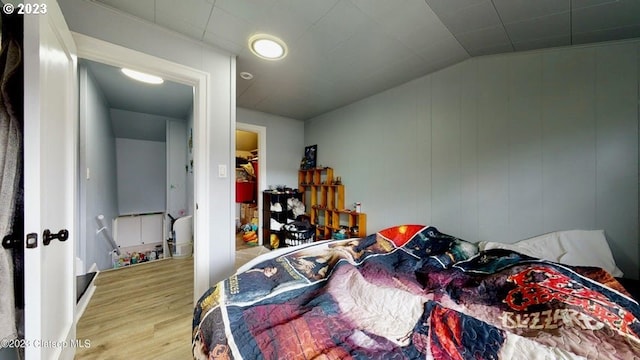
(298, 233)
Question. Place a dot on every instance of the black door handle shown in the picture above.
(47, 236)
(11, 242)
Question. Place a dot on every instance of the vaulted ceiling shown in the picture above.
(341, 51)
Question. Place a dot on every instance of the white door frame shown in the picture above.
(119, 56)
(262, 168)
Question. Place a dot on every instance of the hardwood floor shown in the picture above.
(140, 312)
(144, 311)
(245, 253)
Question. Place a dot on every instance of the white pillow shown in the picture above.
(572, 247)
(545, 246)
(588, 248)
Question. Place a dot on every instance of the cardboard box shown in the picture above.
(248, 212)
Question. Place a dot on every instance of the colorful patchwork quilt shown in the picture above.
(412, 292)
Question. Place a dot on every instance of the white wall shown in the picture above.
(177, 168)
(285, 145)
(499, 148)
(141, 126)
(98, 192)
(142, 176)
(190, 178)
(92, 19)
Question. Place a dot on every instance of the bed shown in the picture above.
(412, 292)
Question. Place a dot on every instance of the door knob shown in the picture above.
(47, 236)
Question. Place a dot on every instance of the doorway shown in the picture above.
(259, 133)
(246, 186)
(134, 156)
(115, 55)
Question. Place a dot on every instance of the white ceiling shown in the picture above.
(341, 51)
(168, 99)
(139, 110)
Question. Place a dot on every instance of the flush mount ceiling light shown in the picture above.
(140, 76)
(267, 47)
(246, 75)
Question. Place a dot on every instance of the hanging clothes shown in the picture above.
(11, 122)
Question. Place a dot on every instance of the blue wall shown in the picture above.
(98, 192)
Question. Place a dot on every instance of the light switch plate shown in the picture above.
(222, 171)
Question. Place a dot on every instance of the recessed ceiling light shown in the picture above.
(246, 75)
(267, 47)
(140, 76)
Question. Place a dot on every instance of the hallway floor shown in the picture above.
(140, 311)
(147, 303)
(245, 253)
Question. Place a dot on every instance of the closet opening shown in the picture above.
(246, 184)
(250, 182)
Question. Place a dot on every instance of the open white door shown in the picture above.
(50, 183)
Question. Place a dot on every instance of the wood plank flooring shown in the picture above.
(245, 253)
(140, 312)
(144, 311)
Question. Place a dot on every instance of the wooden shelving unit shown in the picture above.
(325, 201)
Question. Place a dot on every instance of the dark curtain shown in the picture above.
(11, 188)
